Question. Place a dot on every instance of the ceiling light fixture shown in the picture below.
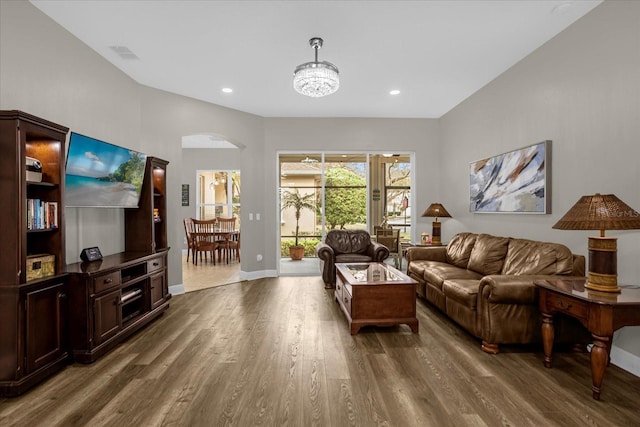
(394, 92)
(227, 90)
(316, 79)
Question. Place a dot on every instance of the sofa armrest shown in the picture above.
(427, 253)
(508, 289)
(324, 251)
(327, 258)
(378, 252)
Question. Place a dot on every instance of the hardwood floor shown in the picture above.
(277, 352)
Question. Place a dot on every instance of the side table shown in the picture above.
(601, 313)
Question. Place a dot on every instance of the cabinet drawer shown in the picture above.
(338, 291)
(106, 281)
(571, 306)
(346, 298)
(155, 264)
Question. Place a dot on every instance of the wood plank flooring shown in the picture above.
(277, 352)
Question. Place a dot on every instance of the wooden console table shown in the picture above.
(601, 313)
(375, 294)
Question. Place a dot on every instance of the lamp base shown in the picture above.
(614, 288)
(603, 273)
(436, 238)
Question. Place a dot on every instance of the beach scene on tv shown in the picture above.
(99, 174)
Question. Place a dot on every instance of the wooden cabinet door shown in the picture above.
(157, 289)
(45, 326)
(107, 313)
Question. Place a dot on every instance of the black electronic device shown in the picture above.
(90, 254)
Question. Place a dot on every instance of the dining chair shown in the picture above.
(224, 228)
(234, 245)
(188, 231)
(205, 239)
(391, 239)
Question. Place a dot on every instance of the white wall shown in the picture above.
(582, 91)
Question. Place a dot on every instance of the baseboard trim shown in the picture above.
(253, 275)
(625, 360)
(176, 289)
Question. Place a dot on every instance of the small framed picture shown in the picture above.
(185, 194)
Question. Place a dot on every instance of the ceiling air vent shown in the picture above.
(123, 52)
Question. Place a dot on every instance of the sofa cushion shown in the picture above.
(352, 258)
(459, 249)
(488, 253)
(436, 272)
(348, 241)
(461, 298)
(532, 257)
(464, 291)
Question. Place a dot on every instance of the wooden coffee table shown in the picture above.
(375, 294)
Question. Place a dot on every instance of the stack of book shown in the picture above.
(41, 215)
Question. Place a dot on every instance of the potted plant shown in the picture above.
(298, 202)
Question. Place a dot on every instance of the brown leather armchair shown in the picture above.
(343, 246)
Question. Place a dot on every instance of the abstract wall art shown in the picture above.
(518, 181)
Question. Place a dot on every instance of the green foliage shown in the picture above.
(308, 243)
(344, 205)
(132, 171)
(298, 202)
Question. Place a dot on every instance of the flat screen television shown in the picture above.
(99, 174)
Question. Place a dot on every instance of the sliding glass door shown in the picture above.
(324, 191)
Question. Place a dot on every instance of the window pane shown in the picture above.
(299, 186)
(398, 195)
(346, 192)
(235, 186)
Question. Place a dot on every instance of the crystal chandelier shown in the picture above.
(316, 79)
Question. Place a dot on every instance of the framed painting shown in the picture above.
(518, 181)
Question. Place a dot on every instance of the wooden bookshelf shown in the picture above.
(33, 339)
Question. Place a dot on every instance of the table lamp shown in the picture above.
(436, 210)
(601, 212)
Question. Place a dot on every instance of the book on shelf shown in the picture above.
(41, 215)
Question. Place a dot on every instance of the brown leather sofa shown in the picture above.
(342, 246)
(485, 284)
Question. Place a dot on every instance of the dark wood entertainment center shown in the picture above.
(74, 312)
(112, 298)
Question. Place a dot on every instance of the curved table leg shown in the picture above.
(548, 334)
(599, 360)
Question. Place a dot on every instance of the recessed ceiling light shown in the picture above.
(394, 92)
(387, 155)
(227, 90)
